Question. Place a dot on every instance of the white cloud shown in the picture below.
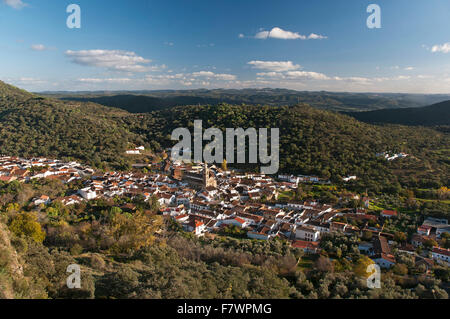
(409, 68)
(109, 80)
(294, 75)
(424, 76)
(217, 76)
(278, 33)
(157, 68)
(38, 47)
(275, 66)
(241, 36)
(314, 36)
(16, 4)
(262, 35)
(306, 75)
(116, 60)
(443, 48)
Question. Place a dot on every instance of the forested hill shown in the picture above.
(437, 114)
(145, 104)
(312, 141)
(36, 126)
(146, 101)
(318, 142)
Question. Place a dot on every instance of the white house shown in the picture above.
(181, 218)
(183, 200)
(441, 255)
(199, 205)
(260, 233)
(307, 233)
(44, 199)
(166, 199)
(295, 205)
(441, 230)
(195, 226)
(384, 261)
(133, 152)
(382, 253)
(424, 230)
(71, 200)
(87, 193)
(236, 221)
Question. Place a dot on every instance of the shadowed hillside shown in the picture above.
(437, 114)
(36, 126)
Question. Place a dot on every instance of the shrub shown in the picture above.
(25, 224)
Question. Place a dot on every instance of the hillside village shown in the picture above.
(207, 200)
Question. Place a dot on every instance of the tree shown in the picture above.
(361, 266)
(324, 264)
(154, 203)
(430, 243)
(131, 232)
(367, 236)
(446, 240)
(299, 194)
(25, 224)
(400, 269)
(400, 237)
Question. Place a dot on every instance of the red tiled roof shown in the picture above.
(389, 212)
(305, 244)
(441, 251)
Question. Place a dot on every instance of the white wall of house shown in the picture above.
(259, 236)
(87, 193)
(307, 235)
(383, 263)
(441, 258)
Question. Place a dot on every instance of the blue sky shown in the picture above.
(181, 44)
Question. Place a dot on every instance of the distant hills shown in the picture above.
(145, 104)
(437, 114)
(148, 101)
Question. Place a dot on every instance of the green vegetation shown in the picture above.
(320, 143)
(438, 114)
(35, 126)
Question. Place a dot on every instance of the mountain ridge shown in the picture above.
(147, 101)
(436, 114)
